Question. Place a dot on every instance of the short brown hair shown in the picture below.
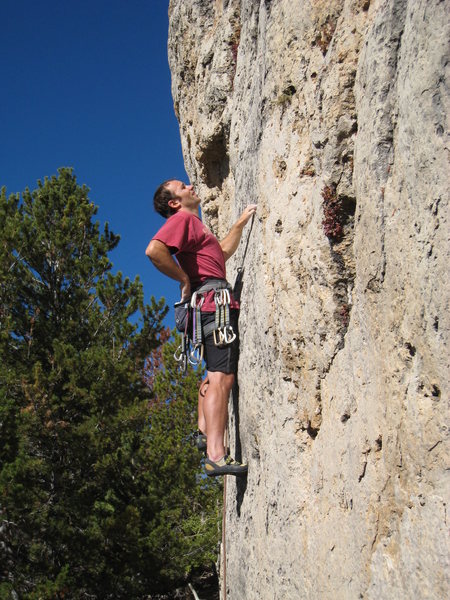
(161, 200)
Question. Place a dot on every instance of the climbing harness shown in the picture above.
(188, 318)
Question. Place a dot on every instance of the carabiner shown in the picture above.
(226, 332)
(194, 303)
(182, 367)
(179, 353)
(196, 355)
(222, 297)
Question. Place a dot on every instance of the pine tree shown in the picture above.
(88, 487)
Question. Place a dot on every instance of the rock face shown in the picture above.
(333, 116)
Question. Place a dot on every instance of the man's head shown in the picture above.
(173, 195)
(161, 200)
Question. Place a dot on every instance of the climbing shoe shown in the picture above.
(201, 441)
(225, 466)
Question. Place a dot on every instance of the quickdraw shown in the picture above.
(223, 332)
(181, 355)
(196, 354)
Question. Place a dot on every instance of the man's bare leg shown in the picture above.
(201, 395)
(215, 411)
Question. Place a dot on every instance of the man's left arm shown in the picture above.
(232, 239)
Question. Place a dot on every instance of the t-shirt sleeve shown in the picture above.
(174, 233)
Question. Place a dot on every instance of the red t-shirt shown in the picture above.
(196, 249)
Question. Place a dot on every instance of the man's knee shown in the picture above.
(223, 380)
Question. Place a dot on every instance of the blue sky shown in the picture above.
(86, 84)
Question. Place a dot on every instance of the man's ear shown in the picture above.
(174, 203)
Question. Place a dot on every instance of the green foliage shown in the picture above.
(192, 515)
(100, 495)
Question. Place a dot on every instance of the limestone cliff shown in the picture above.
(333, 116)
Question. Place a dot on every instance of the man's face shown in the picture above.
(186, 195)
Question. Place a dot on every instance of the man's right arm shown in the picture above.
(161, 257)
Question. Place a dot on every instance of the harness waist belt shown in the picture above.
(213, 284)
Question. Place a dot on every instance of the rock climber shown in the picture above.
(201, 264)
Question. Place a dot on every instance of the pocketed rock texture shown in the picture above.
(332, 115)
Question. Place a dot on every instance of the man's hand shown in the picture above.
(249, 211)
(185, 290)
(231, 241)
